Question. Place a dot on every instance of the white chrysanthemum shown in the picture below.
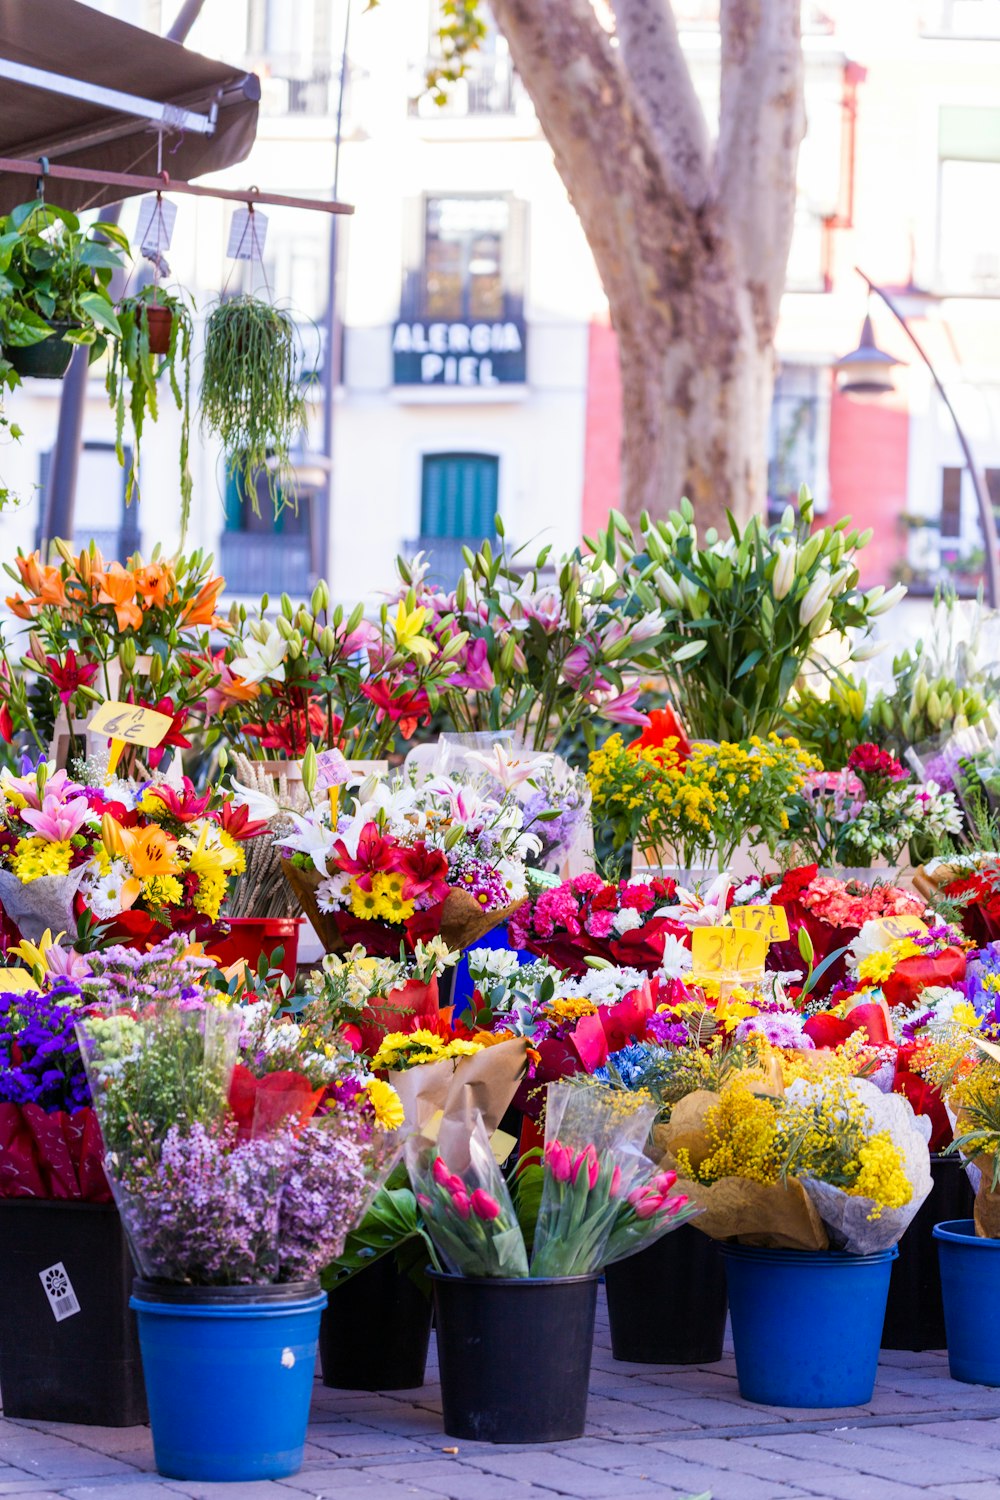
(106, 895)
(626, 920)
(332, 893)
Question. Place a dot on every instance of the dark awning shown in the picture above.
(67, 38)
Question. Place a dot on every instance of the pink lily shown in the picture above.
(57, 820)
(476, 674)
(621, 709)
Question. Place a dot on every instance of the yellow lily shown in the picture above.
(407, 628)
(35, 954)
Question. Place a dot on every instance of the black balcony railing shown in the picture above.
(489, 87)
(264, 563)
(444, 554)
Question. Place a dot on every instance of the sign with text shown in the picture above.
(772, 921)
(459, 354)
(134, 726)
(718, 952)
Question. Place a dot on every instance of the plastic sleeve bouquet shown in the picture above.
(467, 1212)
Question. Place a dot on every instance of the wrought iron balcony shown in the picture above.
(264, 563)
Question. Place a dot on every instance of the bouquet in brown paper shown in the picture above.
(829, 1161)
(394, 862)
(439, 1075)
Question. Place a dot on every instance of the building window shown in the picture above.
(969, 201)
(797, 436)
(267, 551)
(960, 18)
(99, 475)
(292, 44)
(459, 498)
(462, 307)
(489, 86)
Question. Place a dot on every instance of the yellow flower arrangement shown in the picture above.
(35, 857)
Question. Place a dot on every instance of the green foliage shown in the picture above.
(250, 392)
(133, 378)
(52, 271)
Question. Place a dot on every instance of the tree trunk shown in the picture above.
(694, 414)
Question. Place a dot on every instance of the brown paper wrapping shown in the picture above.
(487, 1081)
(774, 1216)
(928, 886)
(463, 921)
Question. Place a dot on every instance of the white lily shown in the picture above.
(815, 597)
(314, 839)
(784, 568)
(505, 768)
(893, 596)
(260, 804)
(264, 658)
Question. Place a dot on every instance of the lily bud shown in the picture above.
(815, 596)
(309, 770)
(784, 569)
(888, 600)
(668, 588)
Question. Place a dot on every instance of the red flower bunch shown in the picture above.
(589, 917)
(868, 760)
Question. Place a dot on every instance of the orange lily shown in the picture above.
(151, 851)
(201, 610)
(154, 582)
(19, 607)
(30, 570)
(118, 589)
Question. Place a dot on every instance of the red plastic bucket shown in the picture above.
(249, 937)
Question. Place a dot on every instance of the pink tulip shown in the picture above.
(424, 1201)
(664, 1181)
(587, 1158)
(440, 1172)
(676, 1203)
(461, 1204)
(648, 1206)
(558, 1160)
(616, 1182)
(484, 1206)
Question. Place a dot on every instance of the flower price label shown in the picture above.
(132, 725)
(900, 927)
(16, 982)
(772, 921)
(726, 951)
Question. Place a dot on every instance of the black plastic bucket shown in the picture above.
(914, 1315)
(376, 1330)
(514, 1356)
(667, 1305)
(58, 1364)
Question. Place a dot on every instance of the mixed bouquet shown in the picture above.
(147, 857)
(587, 918)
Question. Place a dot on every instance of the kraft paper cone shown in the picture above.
(928, 885)
(464, 923)
(487, 1081)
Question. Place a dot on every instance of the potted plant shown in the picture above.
(233, 1200)
(251, 393)
(153, 322)
(503, 1319)
(70, 1351)
(55, 287)
(809, 1188)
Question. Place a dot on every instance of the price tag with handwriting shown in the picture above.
(901, 927)
(772, 921)
(132, 725)
(16, 982)
(724, 951)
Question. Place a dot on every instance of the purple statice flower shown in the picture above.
(205, 1208)
(557, 834)
(482, 881)
(166, 972)
(324, 1193)
(666, 1032)
(40, 1060)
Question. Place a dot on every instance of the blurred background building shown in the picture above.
(468, 350)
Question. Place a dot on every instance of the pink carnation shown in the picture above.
(600, 923)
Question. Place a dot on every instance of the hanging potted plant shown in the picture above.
(155, 344)
(251, 395)
(55, 287)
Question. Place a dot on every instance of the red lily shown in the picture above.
(236, 821)
(376, 856)
(174, 735)
(188, 806)
(425, 872)
(69, 676)
(407, 709)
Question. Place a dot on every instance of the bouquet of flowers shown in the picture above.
(698, 804)
(203, 1202)
(597, 1196)
(50, 1145)
(540, 657)
(588, 917)
(970, 885)
(869, 810)
(400, 862)
(315, 676)
(135, 631)
(366, 996)
(827, 1160)
(149, 857)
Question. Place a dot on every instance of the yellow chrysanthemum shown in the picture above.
(388, 1107)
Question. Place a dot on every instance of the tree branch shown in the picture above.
(664, 94)
(761, 123)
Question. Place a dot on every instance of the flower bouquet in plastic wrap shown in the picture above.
(395, 862)
(827, 1161)
(203, 1203)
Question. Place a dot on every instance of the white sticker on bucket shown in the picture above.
(287, 1359)
(59, 1290)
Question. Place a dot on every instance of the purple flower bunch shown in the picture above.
(166, 972)
(325, 1192)
(40, 1060)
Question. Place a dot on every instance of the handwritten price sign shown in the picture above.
(772, 921)
(131, 725)
(16, 982)
(901, 927)
(726, 951)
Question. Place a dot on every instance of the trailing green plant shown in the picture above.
(52, 271)
(250, 392)
(133, 378)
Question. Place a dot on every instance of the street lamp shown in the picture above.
(865, 372)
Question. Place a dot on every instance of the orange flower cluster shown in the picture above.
(132, 590)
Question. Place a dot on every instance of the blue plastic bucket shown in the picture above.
(806, 1324)
(229, 1375)
(970, 1289)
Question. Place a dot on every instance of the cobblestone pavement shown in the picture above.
(653, 1431)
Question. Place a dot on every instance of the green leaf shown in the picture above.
(100, 311)
(748, 663)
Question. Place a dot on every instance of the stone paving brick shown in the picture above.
(866, 1459)
(144, 1489)
(554, 1472)
(866, 1487)
(694, 1477)
(711, 1411)
(936, 1448)
(982, 1491)
(345, 1484)
(985, 1430)
(736, 1453)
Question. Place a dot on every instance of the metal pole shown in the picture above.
(987, 520)
(323, 528)
(60, 492)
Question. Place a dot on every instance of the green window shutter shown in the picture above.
(459, 494)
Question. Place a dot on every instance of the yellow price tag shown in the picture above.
(772, 921)
(726, 950)
(901, 927)
(132, 725)
(990, 1048)
(16, 982)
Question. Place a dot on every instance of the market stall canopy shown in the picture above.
(209, 108)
